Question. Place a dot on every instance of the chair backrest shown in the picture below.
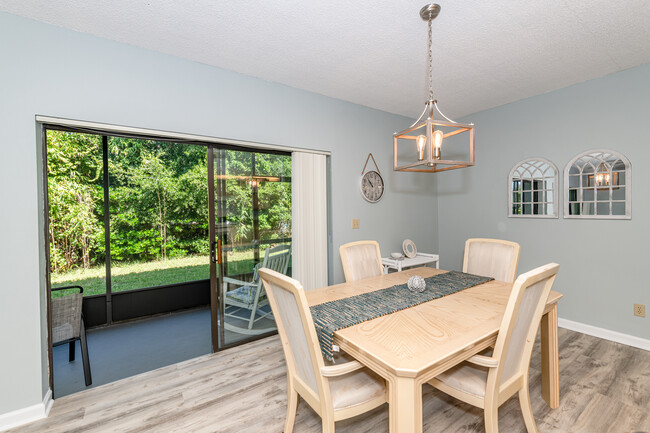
(277, 258)
(492, 258)
(66, 317)
(360, 260)
(297, 332)
(514, 345)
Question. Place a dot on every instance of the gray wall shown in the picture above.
(602, 262)
(51, 71)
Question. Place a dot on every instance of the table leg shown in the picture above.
(405, 406)
(550, 359)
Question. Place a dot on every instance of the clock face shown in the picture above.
(372, 186)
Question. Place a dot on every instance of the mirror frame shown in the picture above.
(599, 155)
(555, 189)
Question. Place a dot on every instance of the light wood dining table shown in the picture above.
(410, 347)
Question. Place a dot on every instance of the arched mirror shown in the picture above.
(597, 185)
(533, 189)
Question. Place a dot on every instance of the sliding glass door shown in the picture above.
(251, 209)
(150, 226)
(128, 222)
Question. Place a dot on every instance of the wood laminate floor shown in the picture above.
(605, 387)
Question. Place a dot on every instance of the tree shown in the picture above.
(75, 198)
(158, 198)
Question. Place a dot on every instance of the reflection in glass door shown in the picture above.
(251, 214)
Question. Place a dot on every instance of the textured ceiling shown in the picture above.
(486, 53)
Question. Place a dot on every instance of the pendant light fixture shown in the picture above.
(433, 130)
(602, 175)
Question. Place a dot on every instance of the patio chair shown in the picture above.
(492, 258)
(489, 379)
(361, 259)
(248, 299)
(335, 392)
(68, 326)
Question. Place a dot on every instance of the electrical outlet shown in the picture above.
(639, 310)
(355, 223)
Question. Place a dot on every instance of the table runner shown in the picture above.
(332, 316)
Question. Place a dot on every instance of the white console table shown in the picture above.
(420, 259)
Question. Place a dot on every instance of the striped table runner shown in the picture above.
(332, 316)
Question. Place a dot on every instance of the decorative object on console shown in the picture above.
(372, 184)
(416, 284)
(409, 248)
(427, 132)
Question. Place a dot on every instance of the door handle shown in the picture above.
(215, 251)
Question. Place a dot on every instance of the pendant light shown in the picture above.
(433, 129)
(602, 175)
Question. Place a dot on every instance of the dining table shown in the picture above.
(411, 346)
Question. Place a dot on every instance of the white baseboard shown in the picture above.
(28, 414)
(606, 334)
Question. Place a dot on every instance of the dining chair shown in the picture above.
(68, 326)
(489, 380)
(243, 304)
(361, 259)
(335, 392)
(492, 258)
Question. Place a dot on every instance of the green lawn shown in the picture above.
(129, 276)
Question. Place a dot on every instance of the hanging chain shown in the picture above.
(430, 59)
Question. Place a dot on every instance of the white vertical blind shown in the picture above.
(309, 219)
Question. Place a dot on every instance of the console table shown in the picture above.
(420, 259)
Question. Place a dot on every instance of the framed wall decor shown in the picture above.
(533, 189)
(598, 185)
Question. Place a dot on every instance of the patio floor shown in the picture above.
(124, 350)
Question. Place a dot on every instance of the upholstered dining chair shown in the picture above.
(361, 259)
(488, 380)
(492, 258)
(335, 392)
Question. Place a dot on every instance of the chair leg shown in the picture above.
(71, 350)
(251, 322)
(527, 409)
(84, 355)
(491, 414)
(328, 425)
(292, 407)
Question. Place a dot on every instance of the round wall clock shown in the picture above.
(372, 186)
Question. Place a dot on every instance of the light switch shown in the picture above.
(355, 223)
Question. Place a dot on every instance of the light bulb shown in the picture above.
(437, 143)
(421, 142)
(602, 175)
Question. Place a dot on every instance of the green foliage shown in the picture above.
(158, 199)
(75, 198)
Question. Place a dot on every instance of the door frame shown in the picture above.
(216, 187)
(44, 122)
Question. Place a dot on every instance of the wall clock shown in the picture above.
(372, 184)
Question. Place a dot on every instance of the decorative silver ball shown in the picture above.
(416, 284)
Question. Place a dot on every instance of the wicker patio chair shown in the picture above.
(68, 326)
